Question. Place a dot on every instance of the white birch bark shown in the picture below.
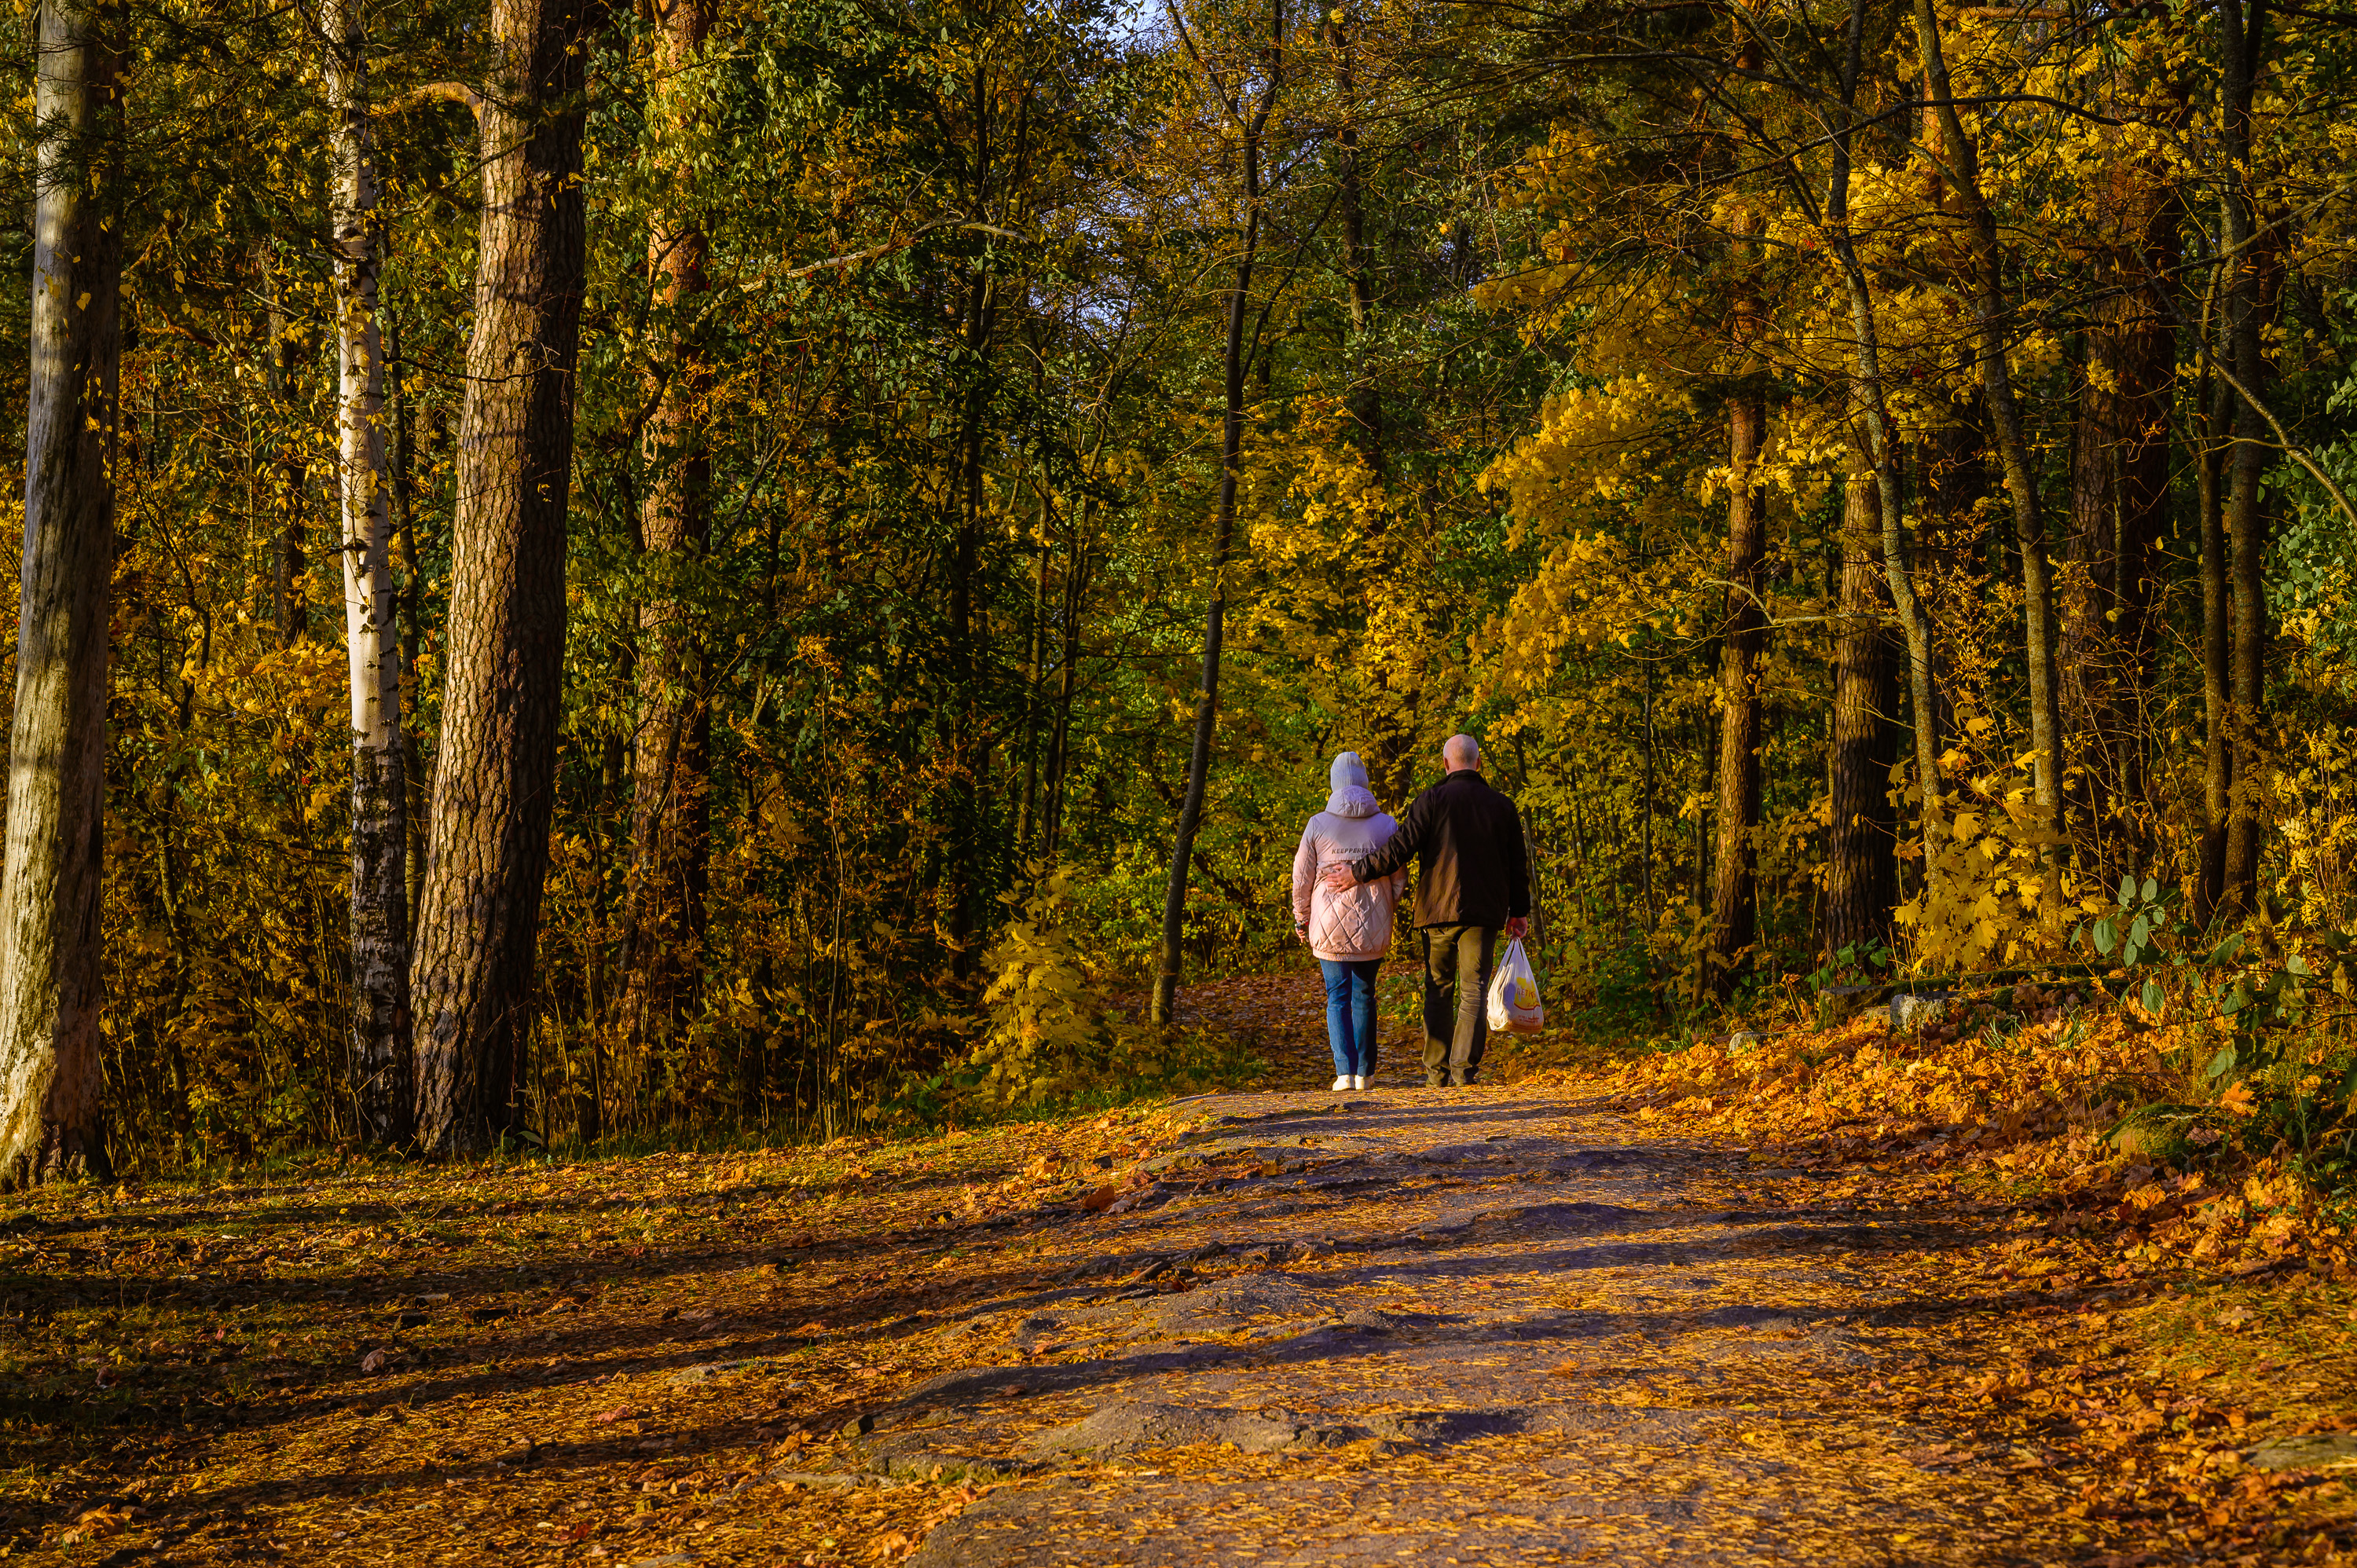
(380, 927)
(49, 975)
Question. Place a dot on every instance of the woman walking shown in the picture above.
(1349, 930)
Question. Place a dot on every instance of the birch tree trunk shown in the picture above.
(382, 1090)
(487, 851)
(1165, 1006)
(50, 994)
(671, 771)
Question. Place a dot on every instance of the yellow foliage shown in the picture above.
(1996, 892)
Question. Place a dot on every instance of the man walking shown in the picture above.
(1473, 876)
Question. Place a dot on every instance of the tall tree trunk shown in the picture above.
(495, 769)
(1862, 870)
(1027, 828)
(382, 1091)
(2249, 307)
(1076, 581)
(1734, 892)
(2119, 500)
(1231, 439)
(1735, 883)
(1364, 401)
(671, 776)
(2217, 651)
(1883, 442)
(968, 623)
(413, 588)
(51, 983)
(1990, 312)
(289, 613)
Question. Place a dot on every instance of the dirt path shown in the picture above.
(1406, 1326)
(1427, 1327)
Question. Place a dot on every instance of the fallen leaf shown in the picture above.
(890, 1547)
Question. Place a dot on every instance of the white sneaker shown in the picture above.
(1359, 1082)
(1342, 1083)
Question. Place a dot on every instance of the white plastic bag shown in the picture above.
(1515, 994)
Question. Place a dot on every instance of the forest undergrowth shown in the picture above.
(2172, 1280)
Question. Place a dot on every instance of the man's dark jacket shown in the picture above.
(1472, 868)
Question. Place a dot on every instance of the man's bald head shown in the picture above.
(1460, 753)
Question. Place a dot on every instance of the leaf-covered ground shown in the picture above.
(1581, 1317)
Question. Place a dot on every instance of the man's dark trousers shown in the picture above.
(1455, 1000)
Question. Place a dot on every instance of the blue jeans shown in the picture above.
(1350, 1014)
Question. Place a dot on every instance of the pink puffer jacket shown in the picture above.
(1357, 923)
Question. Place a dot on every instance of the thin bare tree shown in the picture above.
(1249, 116)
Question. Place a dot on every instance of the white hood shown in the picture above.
(1348, 780)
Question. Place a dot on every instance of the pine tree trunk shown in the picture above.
(1164, 1009)
(671, 771)
(50, 981)
(380, 1082)
(495, 769)
(1734, 892)
(1862, 870)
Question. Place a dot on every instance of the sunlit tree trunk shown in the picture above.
(1861, 868)
(670, 772)
(1231, 435)
(495, 769)
(50, 1080)
(381, 1090)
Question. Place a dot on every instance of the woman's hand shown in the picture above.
(1338, 878)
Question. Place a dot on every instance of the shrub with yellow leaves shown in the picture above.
(1052, 1034)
